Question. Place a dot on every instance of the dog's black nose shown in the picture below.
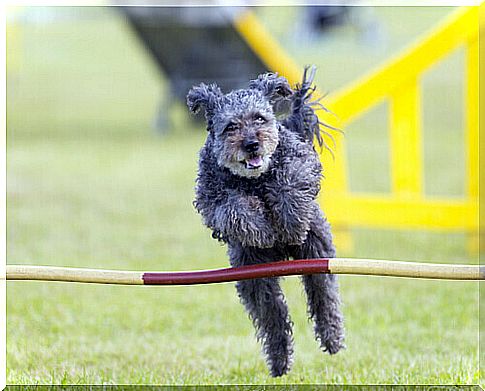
(251, 145)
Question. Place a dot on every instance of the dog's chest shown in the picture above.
(251, 187)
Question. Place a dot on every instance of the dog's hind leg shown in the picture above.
(322, 289)
(266, 306)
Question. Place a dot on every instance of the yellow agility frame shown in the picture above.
(398, 80)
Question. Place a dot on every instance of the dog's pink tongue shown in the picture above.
(254, 162)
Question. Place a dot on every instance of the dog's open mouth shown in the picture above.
(253, 163)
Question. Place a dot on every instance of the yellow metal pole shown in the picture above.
(471, 129)
(406, 140)
(471, 135)
(266, 47)
(370, 89)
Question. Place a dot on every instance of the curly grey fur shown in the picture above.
(256, 190)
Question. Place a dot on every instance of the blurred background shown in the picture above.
(101, 162)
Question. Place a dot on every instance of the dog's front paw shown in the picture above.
(293, 234)
(243, 220)
(254, 229)
(294, 238)
(261, 236)
(291, 212)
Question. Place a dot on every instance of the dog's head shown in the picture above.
(242, 123)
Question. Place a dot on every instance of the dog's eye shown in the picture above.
(230, 127)
(259, 119)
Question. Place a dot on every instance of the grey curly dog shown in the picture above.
(257, 184)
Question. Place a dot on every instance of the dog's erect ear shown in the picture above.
(272, 86)
(204, 96)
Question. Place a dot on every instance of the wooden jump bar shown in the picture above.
(352, 266)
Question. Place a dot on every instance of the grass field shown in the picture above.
(90, 184)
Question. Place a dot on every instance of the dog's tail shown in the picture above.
(302, 118)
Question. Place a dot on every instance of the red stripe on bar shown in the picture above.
(272, 269)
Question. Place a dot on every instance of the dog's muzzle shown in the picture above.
(251, 146)
(254, 162)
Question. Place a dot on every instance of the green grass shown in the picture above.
(91, 185)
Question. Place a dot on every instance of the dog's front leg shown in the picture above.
(290, 197)
(243, 218)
